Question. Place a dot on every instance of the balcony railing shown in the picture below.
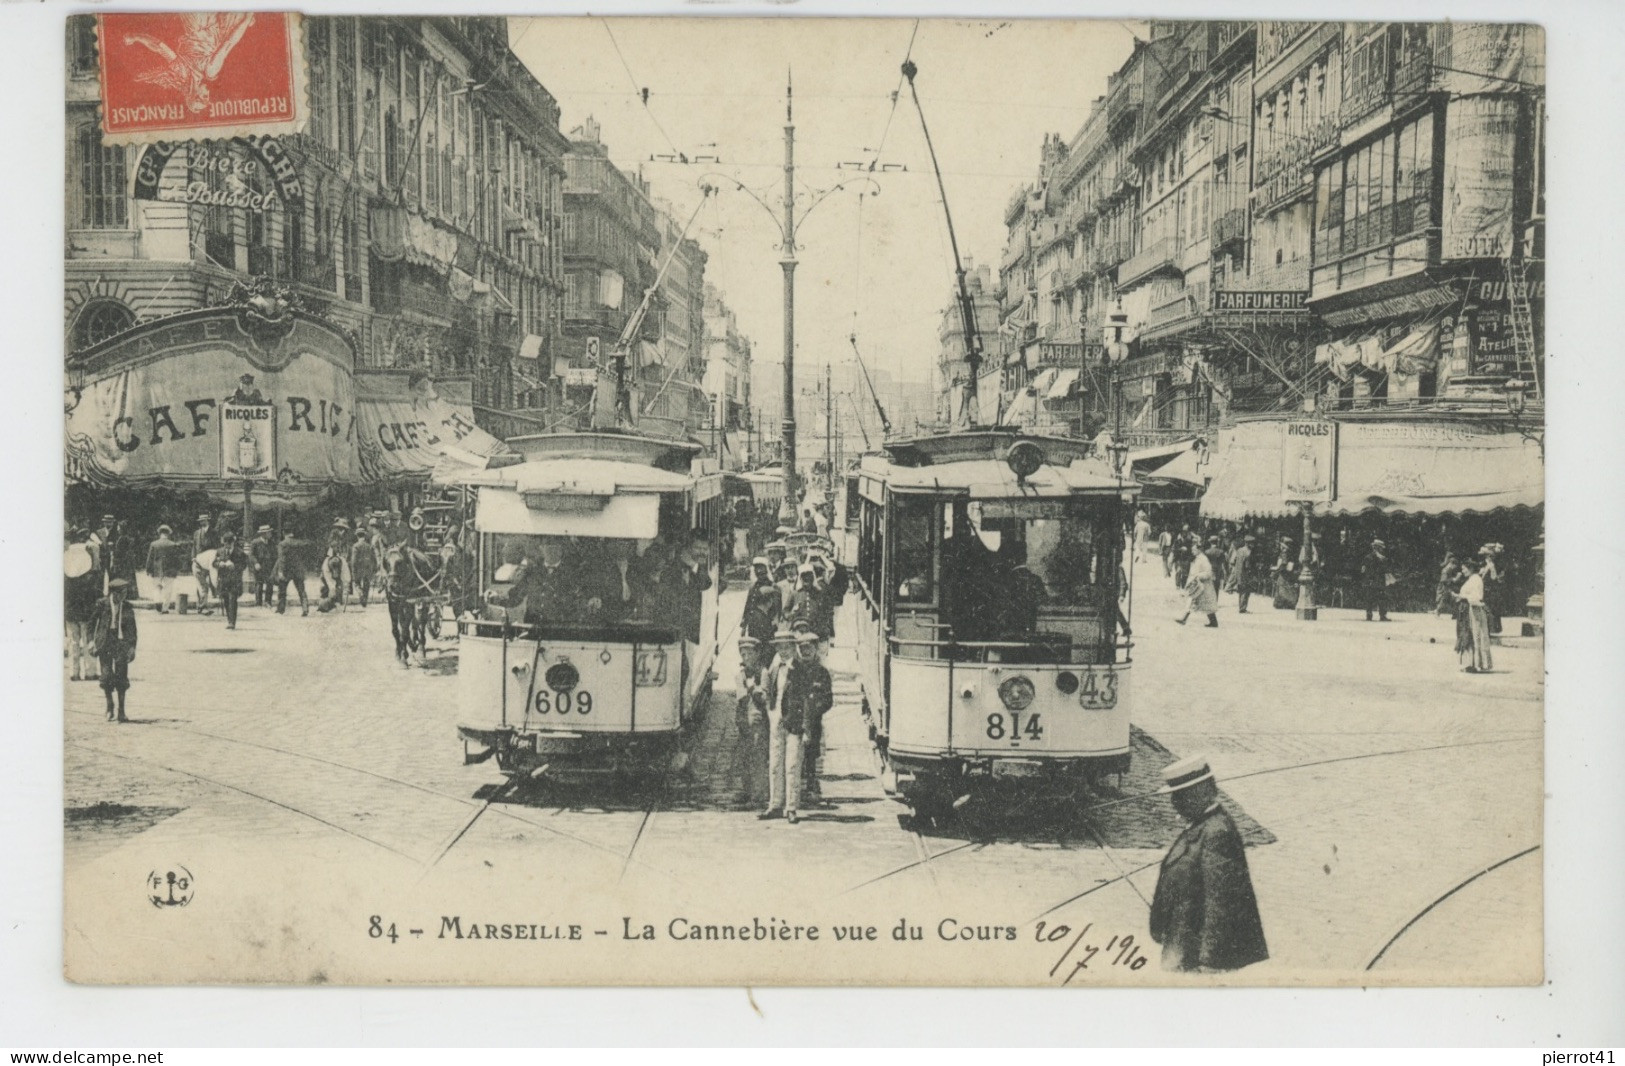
(1155, 257)
(308, 268)
(1183, 306)
(1230, 226)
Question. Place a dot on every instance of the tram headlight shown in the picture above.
(562, 677)
(649, 670)
(1067, 682)
(1017, 693)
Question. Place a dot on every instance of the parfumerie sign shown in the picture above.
(1237, 300)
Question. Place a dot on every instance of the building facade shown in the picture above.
(419, 210)
(728, 373)
(1282, 216)
(616, 240)
(953, 368)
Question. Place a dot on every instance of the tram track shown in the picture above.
(490, 803)
(927, 859)
(1416, 918)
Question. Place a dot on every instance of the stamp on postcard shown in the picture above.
(200, 75)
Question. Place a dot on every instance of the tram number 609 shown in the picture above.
(562, 702)
(1014, 727)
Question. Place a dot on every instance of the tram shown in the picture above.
(594, 641)
(993, 650)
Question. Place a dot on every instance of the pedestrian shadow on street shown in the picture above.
(1109, 814)
(441, 664)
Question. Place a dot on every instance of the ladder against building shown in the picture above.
(1527, 367)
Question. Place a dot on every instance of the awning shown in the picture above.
(1181, 468)
(1394, 467)
(1042, 382)
(422, 436)
(1063, 386)
(1161, 451)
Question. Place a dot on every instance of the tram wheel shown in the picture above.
(931, 807)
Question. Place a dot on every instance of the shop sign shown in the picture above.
(167, 401)
(1482, 341)
(1263, 300)
(263, 160)
(248, 441)
(1477, 217)
(1309, 462)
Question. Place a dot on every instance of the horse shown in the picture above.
(411, 587)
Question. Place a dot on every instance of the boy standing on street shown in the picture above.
(112, 641)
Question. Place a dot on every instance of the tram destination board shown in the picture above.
(423, 629)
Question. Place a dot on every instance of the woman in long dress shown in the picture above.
(1285, 573)
(1444, 594)
(1202, 591)
(1473, 638)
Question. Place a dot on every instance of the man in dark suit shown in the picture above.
(1204, 912)
(112, 641)
(263, 553)
(163, 566)
(762, 603)
(1376, 574)
(291, 564)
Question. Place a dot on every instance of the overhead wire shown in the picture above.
(641, 92)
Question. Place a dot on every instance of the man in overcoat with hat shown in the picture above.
(262, 552)
(1376, 574)
(1204, 912)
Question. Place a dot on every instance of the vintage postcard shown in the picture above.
(579, 501)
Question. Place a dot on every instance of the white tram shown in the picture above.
(596, 635)
(993, 648)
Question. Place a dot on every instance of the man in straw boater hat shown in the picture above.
(750, 719)
(1204, 912)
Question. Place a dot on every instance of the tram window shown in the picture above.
(911, 557)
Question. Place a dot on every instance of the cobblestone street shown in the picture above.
(1370, 777)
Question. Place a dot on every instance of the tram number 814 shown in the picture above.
(562, 702)
(1014, 726)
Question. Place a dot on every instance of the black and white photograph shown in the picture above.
(762, 502)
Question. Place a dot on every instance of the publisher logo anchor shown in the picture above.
(170, 888)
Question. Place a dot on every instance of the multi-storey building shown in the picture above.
(426, 216)
(418, 213)
(1278, 221)
(728, 382)
(953, 367)
(616, 239)
(1281, 214)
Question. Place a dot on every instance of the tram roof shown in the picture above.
(583, 477)
(993, 479)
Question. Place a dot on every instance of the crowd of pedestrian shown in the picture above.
(783, 688)
(1233, 559)
(104, 560)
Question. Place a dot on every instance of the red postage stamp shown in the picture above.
(200, 75)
